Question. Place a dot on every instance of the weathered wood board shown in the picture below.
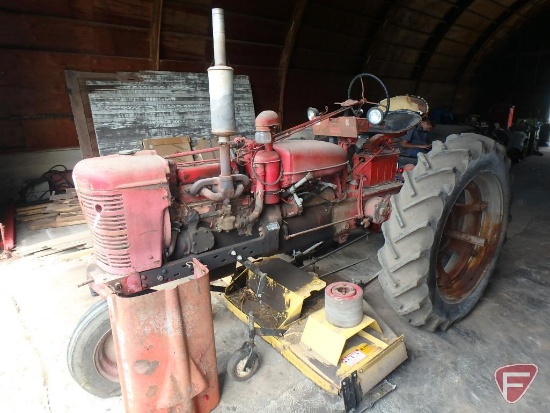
(159, 104)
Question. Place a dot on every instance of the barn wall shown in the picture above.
(39, 41)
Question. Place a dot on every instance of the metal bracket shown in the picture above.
(279, 332)
(354, 399)
(178, 269)
(351, 393)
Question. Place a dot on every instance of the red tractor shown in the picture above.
(444, 221)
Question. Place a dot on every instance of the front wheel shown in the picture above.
(447, 227)
(91, 353)
(243, 363)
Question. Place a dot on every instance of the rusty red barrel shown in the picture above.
(344, 304)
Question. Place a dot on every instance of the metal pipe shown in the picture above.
(220, 196)
(258, 207)
(295, 129)
(317, 228)
(345, 267)
(197, 186)
(225, 160)
(192, 152)
(218, 32)
(220, 84)
(336, 250)
(225, 186)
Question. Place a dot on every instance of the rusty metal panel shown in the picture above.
(164, 343)
(344, 126)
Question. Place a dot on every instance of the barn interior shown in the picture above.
(74, 72)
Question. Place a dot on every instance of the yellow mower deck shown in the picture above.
(346, 361)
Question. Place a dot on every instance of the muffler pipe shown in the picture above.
(220, 85)
(222, 111)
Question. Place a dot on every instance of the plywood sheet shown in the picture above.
(170, 146)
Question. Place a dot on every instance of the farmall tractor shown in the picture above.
(444, 221)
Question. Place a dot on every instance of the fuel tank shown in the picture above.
(300, 157)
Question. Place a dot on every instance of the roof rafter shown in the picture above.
(368, 44)
(439, 34)
(476, 49)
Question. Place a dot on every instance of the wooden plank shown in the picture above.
(57, 208)
(169, 146)
(180, 46)
(79, 238)
(36, 217)
(70, 218)
(186, 17)
(56, 223)
(75, 255)
(135, 13)
(45, 253)
(31, 208)
(203, 143)
(71, 36)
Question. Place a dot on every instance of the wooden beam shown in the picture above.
(287, 52)
(154, 38)
(87, 22)
(79, 114)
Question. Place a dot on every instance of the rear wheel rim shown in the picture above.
(105, 358)
(470, 238)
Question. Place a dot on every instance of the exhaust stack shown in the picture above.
(222, 117)
(220, 83)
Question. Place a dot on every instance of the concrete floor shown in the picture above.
(446, 372)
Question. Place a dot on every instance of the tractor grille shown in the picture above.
(107, 222)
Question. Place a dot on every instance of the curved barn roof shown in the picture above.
(461, 55)
(427, 47)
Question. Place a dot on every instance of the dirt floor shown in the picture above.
(446, 371)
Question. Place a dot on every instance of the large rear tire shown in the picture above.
(447, 227)
(91, 354)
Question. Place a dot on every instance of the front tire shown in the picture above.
(91, 356)
(447, 227)
(236, 366)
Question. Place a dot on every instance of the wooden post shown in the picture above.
(154, 38)
(287, 52)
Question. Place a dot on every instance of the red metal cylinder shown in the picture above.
(267, 165)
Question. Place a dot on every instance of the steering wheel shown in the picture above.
(357, 112)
